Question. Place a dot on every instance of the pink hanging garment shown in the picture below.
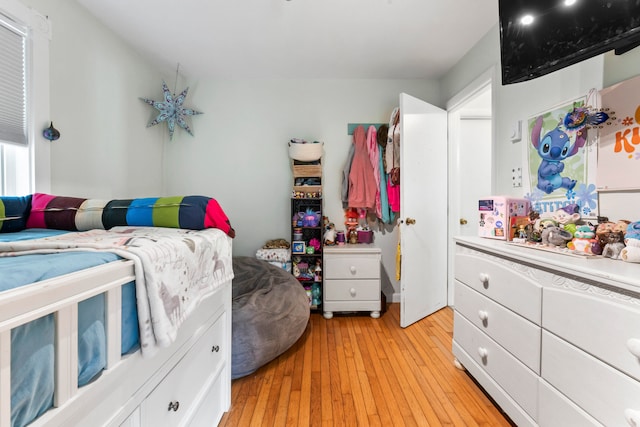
(362, 183)
(372, 147)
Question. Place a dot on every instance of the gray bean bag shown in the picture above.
(270, 311)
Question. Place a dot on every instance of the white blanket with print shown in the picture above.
(174, 268)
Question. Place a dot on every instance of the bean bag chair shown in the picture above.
(270, 311)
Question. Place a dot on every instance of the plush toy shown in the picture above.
(614, 246)
(567, 217)
(602, 236)
(631, 253)
(555, 236)
(330, 234)
(583, 239)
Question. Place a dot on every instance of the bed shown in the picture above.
(72, 335)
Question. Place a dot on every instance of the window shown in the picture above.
(24, 98)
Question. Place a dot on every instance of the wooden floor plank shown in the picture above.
(355, 370)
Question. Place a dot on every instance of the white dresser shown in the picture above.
(554, 339)
(351, 279)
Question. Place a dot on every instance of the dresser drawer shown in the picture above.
(603, 392)
(501, 282)
(351, 266)
(595, 323)
(516, 334)
(516, 379)
(556, 410)
(181, 385)
(352, 290)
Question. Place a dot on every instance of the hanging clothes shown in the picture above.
(345, 176)
(362, 183)
(392, 152)
(387, 216)
(372, 148)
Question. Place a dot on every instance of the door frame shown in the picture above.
(455, 176)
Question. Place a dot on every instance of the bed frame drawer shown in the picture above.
(172, 402)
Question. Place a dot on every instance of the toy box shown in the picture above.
(495, 213)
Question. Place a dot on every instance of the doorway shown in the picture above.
(471, 161)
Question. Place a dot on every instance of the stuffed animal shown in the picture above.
(583, 239)
(330, 234)
(614, 246)
(555, 236)
(631, 253)
(602, 236)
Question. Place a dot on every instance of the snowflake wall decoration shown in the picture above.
(171, 110)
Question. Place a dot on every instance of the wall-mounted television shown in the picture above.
(538, 37)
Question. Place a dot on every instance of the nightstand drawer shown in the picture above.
(352, 290)
(352, 266)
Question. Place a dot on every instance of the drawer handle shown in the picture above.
(352, 292)
(483, 315)
(215, 349)
(174, 406)
(484, 278)
(633, 417)
(633, 344)
(352, 269)
(482, 352)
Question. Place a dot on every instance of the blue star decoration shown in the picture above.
(171, 110)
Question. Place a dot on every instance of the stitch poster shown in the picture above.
(559, 158)
(619, 140)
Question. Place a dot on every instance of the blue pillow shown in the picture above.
(14, 211)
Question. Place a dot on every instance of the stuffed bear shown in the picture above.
(614, 246)
(632, 239)
(602, 236)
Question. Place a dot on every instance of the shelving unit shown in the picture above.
(307, 229)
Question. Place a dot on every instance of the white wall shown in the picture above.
(523, 100)
(105, 149)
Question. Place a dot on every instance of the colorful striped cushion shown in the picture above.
(76, 214)
(14, 212)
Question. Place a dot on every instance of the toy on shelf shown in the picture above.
(567, 217)
(555, 236)
(631, 253)
(583, 239)
(330, 235)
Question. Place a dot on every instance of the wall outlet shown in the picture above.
(516, 177)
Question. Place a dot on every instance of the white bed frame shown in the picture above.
(186, 384)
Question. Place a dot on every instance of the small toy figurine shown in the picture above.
(614, 246)
(522, 233)
(317, 272)
(353, 237)
(567, 217)
(330, 235)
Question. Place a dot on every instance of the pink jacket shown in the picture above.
(362, 182)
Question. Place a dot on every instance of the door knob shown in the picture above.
(410, 221)
(463, 221)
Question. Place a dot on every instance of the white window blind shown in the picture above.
(13, 110)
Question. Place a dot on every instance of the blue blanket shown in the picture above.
(32, 345)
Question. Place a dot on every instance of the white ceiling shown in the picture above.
(301, 38)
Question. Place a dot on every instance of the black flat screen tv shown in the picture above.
(562, 33)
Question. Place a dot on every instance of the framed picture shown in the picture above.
(298, 247)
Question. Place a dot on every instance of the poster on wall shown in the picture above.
(619, 139)
(560, 161)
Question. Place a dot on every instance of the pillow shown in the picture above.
(14, 211)
(77, 214)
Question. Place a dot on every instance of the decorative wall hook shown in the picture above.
(51, 133)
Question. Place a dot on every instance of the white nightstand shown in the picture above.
(351, 279)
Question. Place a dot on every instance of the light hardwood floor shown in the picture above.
(359, 371)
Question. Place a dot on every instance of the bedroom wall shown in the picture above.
(105, 150)
(239, 152)
(523, 100)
